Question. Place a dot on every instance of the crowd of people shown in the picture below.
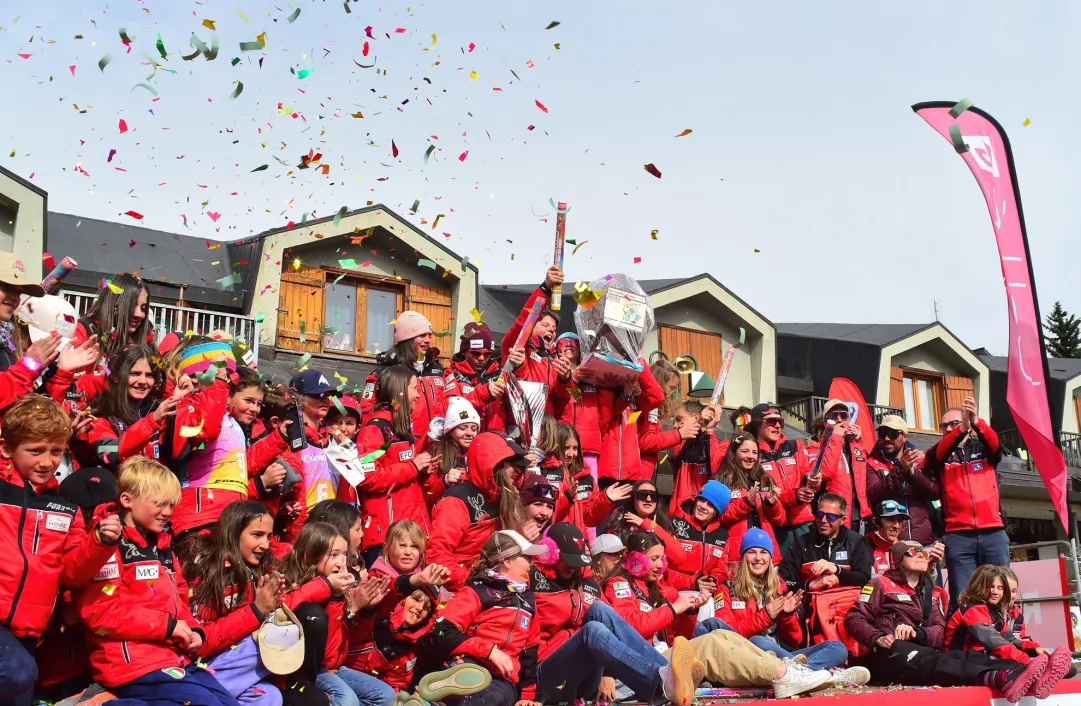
(181, 530)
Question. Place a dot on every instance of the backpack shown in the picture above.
(827, 618)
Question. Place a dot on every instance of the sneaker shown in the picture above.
(680, 677)
(798, 679)
(1018, 681)
(459, 680)
(1058, 665)
(851, 677)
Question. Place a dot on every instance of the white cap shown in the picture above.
(606, 544)
(511, 544)
(44, 315)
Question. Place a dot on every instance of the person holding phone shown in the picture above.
(755, 501)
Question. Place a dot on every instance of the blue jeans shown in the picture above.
(348, 687)
(18, 670)
(605, 644)
(824, 655)
(967, 549)
(705, 627)
(189, 686)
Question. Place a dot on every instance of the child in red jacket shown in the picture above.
(696, 458)
(140, 631)
(385, 646)
(449, 440)
(42, 534)
(391, 488)
(402, 562)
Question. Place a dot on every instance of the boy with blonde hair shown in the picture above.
(139, 626)
(42, 536)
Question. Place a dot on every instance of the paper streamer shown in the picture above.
(958, 142)
(962, 105)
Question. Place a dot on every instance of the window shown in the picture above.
(922, 400)
(9, 213)
(703, 346)
(382, 308)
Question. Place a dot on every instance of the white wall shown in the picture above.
(923, 358)
(1069, 408)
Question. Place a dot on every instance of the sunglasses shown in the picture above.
(838, 415)
(479, 354)
(829, 516)
(646, 496)
(773, 422)
(918, 554)
(890, 434)
(950, 425)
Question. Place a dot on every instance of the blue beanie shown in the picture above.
(756, 538)
(716, 494)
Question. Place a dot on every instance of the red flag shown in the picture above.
(983, 145)
(845, 390)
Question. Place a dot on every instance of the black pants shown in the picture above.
(499, 693)
(910, 664)
(313, 617)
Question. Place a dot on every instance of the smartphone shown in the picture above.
(295, 431)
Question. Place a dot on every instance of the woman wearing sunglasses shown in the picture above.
(902, 636)
(642, 512)
(755, 502)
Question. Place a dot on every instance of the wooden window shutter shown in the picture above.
(957, 389)
(1077, 406)
(897, 388)
(704, 347)
(300, 300)
(435, 304)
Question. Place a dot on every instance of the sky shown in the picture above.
(804, 184)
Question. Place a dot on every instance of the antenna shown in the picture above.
(935, 302)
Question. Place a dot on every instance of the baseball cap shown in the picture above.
(892, 421)
(312, 382)
(46, 314)
(281, 642)
(13, 276)
(765, 410)
(833, 403)
(606, 544)
(509, 544)
(892, 508)
(573, 549)
(902, 547)
(535, 488)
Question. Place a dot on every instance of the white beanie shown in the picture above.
(459, 412)
(409, 325)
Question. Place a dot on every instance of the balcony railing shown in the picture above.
(168, 318)
(802, 412)
(1071, 446)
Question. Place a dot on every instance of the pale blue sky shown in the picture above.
(803, 143)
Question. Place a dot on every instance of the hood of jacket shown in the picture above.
(486, 453)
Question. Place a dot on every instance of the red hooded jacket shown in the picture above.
(746, 617)
(578, 407)
(746, 511)
(16, 381)
(705, 548)
(391, 490)
(385, 646)
(561, 607)
(629, 596)
(580, 503)
(838, 476)
(788, 464)
(969, 478)
(46, 545)
(691, 476)
(468, 513)
(881, 558)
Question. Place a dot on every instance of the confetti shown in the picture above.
(428, 153)
(437, 217)
(422, 262)
(134, 214)
(463, 155)
(474, 75)
(303, 73)
(540, 105)
(147, 86)
(104, 61)
(575, 251)
(958, 143)
(570, 241)
(348, 263)
(161, 47)
(261, 168)
(416, 205)
(25, 56)
(259, 318)
(435, 40)
(189, 432)
(252, 46)
(637, 260)
(293, 17)
(209, 24)
(477, 315)
(214, 217)
(123, 126)
(962, 105)
(114, 289)
(242, 16)
(108, 589)
(124, 36)
(303, 361)
(226, 282)
(552, 24)
(653, 234)
(1026, 123)
(686, 132)
(632, 417)
(338, 406)
(652, 170)
(338, 216)
(237, 91)
(393, 149)
(556, 45)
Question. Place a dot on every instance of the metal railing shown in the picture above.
(167, 318)
(1071, 446)
(802, 412)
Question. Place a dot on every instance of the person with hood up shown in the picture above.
(471, 511)
(413, 349)
(474, 372)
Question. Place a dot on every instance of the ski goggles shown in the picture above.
(773, 422)
(918, 553)
(828, 516)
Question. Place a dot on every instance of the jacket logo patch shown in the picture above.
(977, 466)
(405, 455)
(622, 589)
(790, 461)
(868, 590)
(767, 466)
(476, 344)
(737, 494)
(644, 607)
(718, 552)
(147, 572)
(655, 416)
(524, 622)
(57, 523)
(111, 570)
(588, 598)
(466, 389)
(841, 556)
(904, 597)
(534, 356)
(583, 494)
(865, 598)
(438, 381)
(739, 605)
(682, 528)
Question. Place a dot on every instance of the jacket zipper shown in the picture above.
(22, 552)
(972, 500)
(510, 630)
(124, 649)
(37, 533)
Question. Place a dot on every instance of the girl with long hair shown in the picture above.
(755, 503)
(652, 438)
(642, 512)
(392, 489)
(757, 604)
(451, 439)
(487, 501)
(346, 518)
(320, 553)
(119, 316)
(580, 503)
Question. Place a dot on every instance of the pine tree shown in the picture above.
(1063, 333)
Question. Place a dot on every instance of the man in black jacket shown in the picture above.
(831, 555)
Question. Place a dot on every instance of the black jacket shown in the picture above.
(847, 550)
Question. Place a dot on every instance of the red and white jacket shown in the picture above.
(391, 487)
(882, 559)
(969, 478)
(652, 440)
(45, 544)
(705, 549)
(385, 646)
(432, 401)
(693, 467)
(617, 419)
(838, 474)
(579, 408)
(561, 607)
(984, 628)
(629, 596)
(788, 464)
(579, 501)
(746, 511)
(748, 618)
(460, 380)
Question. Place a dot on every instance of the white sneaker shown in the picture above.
(853, 676)
(798, 679)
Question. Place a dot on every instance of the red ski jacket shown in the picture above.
(80, 391)
(693, 468)
(746, 617)
(580, 503)
(131, 607)
(581, 411)
(881, 558)
(45, 545)
(460, 380)
(704, 547)
(746, 511)
(788, 464)
(561, 607)
(385, 646)
(392, 491)
(484, 615)
(838, 476)
(916, 490)
(969, 478)
(432, 402)
(1017, 626)
(617, 418)
(652, 440)
(983, 628)
(629, 596)
(16, 381)
(468, 513)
